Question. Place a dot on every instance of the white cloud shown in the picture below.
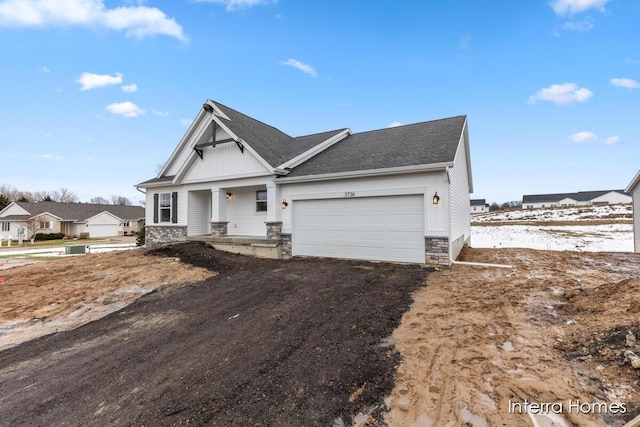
(613, 140)
(48, 157)
(584, 25)
(159, 113)
(565, 93)
(581, 137)
(186, 122)
(570, 7)
(394, 124)
(126, 109)
(44, 70)
(233, 5)
(307, 69)
(626, 83)
(129, 88)
(92, 81)
(136, 21)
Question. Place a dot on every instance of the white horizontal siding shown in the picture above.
(612, 198)
(199, 213)
(241, 213)
(460, 198)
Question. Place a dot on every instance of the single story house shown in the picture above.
(634, 190)
(394, 194)
(479, 206)
(72, 219)
(581, 198)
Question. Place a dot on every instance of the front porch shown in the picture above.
(258, 246)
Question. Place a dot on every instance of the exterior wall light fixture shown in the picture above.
(229, 196)
(285, 205)
(436, 199)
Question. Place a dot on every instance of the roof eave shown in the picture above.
(368, 172)
(633, 183)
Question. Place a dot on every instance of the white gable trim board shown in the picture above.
(221, 193)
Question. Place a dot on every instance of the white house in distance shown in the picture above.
(479, 206)
(634, 190)
(72, 219)
(581, 198)
(394, 194)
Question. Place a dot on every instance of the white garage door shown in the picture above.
(103, 230)
(389, 228)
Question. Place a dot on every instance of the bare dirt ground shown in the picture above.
(61, 294)
(556, 329)
(298, 342)
(264, 342)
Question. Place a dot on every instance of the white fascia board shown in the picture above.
(315, 150)
(217, 111)
(465, 138)
(633, 183)
(11, 204)
(365, 173)
(153, 185)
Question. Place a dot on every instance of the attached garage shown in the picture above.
(103, 224)
(384, 228)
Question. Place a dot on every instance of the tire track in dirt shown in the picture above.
(479, 340)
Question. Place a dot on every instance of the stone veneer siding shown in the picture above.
(274, 230)
(155, 234)
(436, 251)
(219, 229)
(285, 240)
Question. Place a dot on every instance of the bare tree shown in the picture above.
(33, 225)
(120, 200)
(64, 195)
(99, 201)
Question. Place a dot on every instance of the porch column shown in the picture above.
(218, 212)
(273, 204)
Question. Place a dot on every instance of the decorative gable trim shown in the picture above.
(193, 156)
(290, 164)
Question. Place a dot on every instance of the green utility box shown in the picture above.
(75, 250)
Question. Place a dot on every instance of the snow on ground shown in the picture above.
(616, 235)
(575, 213)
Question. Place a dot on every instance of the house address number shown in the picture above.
(349, 194)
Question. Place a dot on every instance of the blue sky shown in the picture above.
(95, 94)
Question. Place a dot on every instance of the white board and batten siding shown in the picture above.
(383, 228)
(224, 161)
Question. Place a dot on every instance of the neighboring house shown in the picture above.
(479, 206)
(634, 190)
(394, 194)
(71, 219)
(581, 198)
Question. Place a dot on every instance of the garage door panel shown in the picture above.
(389, 228)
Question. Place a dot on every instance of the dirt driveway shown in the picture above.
(263, 342)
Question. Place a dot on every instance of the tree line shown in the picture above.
(10, 194)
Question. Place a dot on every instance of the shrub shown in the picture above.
(49, 236)
(140, 237)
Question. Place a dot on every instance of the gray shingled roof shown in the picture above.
(478, 202)
(82, 211)
(166, 179)
(410, 145)
(580, 196)
(272, 144)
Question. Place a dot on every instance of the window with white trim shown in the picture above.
(165, 207)
(6, 226)
(261, 201)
